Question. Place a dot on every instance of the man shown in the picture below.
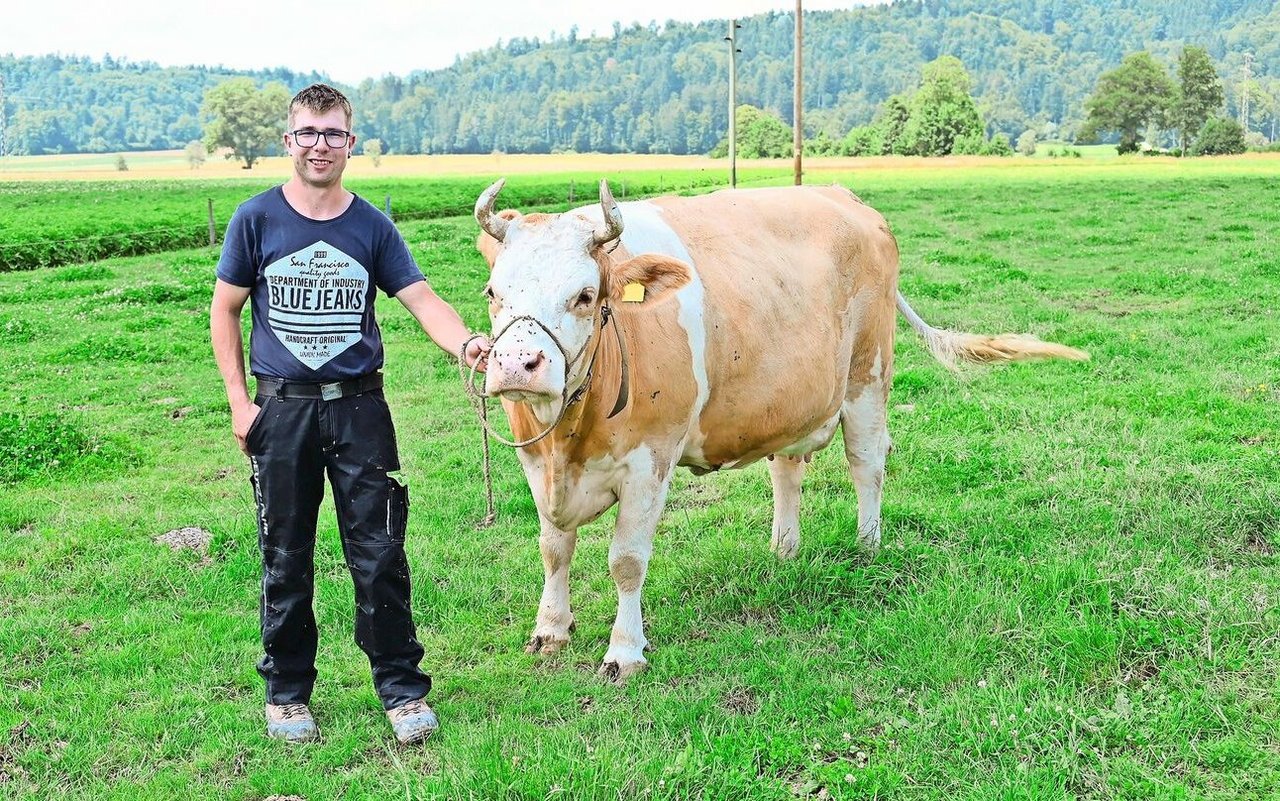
(312, 256)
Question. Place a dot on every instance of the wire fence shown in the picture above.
(39, 253)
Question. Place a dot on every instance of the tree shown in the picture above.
(243, 118)
(761, 135)
(998, 145)
(942, 111)
(1199, 93)
(1128, 98)
(194, 153)
(1220, 136)
(891, 122)
(1027, 143)
(864, 140)
(373, 149)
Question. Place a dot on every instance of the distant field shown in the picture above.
(172, 164)
(1078, 597)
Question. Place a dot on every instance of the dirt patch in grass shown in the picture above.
(740, 701)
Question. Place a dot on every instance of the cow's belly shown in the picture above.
(754, 448)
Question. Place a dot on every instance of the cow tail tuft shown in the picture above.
(952, 347)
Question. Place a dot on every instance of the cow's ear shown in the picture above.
(660, 276)
(487, 245)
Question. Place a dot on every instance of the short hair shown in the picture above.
(319, 98)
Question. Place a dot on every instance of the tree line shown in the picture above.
(663, 88)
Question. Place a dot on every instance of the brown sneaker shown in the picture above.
(292, 723)
(413, 722)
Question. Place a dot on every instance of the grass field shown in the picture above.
(1077, 597)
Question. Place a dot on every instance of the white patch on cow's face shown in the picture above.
(646, 231)
(545, 272)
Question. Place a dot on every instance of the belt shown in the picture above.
(312, 391)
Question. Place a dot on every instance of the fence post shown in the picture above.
(213, 231)
(624, 190)
(571, 191)
(387, 206)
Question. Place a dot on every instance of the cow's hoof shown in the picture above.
(617, 672)
(545, 644)
(786, 549)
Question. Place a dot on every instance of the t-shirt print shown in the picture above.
(316, 301)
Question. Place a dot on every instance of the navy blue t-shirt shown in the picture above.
(313, 285)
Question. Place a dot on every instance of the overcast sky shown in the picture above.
(347, 39)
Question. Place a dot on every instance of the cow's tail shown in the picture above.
(950, 347)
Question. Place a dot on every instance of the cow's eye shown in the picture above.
(585, 298)
(488, 293)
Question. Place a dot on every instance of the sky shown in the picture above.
(338, 37)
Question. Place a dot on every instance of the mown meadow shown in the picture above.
(1077, 595)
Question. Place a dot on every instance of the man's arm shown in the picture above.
(442, 323)
(228, 351)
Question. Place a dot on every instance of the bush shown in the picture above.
(1220, 136)
(121, 164)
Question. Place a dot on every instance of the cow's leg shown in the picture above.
(866, 444)
(555, 620)
(786, 472)
(639, 508)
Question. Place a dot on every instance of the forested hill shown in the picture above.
(663, 87)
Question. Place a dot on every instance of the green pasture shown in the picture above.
(59, 222)
(1077, 595)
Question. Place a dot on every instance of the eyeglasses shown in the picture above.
(307, 137)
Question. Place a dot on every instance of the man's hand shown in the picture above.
(477, 354)
(242, 418)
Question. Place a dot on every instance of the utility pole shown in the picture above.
(4, 121)
(732, 39)
(1244, 93)
(797, 138)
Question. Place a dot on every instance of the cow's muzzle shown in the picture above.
(521, 369)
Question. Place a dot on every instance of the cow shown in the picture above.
(710, 332)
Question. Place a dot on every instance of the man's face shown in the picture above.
(320, 164)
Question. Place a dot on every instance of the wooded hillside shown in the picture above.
(663, 87)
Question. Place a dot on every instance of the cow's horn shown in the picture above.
(612, 228)
(493, 225)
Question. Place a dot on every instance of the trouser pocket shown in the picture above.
(255, 428)
(397, 510)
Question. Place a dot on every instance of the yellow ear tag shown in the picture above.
(633, 293)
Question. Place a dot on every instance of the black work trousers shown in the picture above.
(292, 444)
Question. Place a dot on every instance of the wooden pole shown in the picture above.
(213, 230)
(733, 102)
(797, 140)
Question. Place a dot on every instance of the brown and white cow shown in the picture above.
(767, 322)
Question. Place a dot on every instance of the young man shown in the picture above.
(311, 256)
